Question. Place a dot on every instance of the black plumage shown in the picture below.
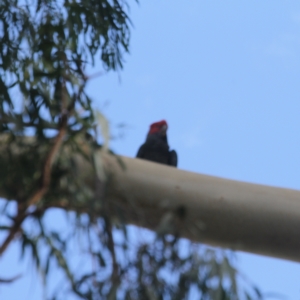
(156, 146)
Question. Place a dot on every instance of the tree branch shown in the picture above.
(48, 164)
(20, 217)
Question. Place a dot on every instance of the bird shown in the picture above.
(156, 146)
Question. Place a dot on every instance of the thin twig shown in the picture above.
(111, 247)
(48, 165)
(13, 231)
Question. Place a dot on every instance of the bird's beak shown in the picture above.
(164, 129)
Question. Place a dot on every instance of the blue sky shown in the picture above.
(225, 75)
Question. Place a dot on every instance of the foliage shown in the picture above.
(46, 119)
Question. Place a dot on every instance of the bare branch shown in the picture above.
(48, 165)
(13, 231)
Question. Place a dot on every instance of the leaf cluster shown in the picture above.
(165, 267)
(45, 47)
